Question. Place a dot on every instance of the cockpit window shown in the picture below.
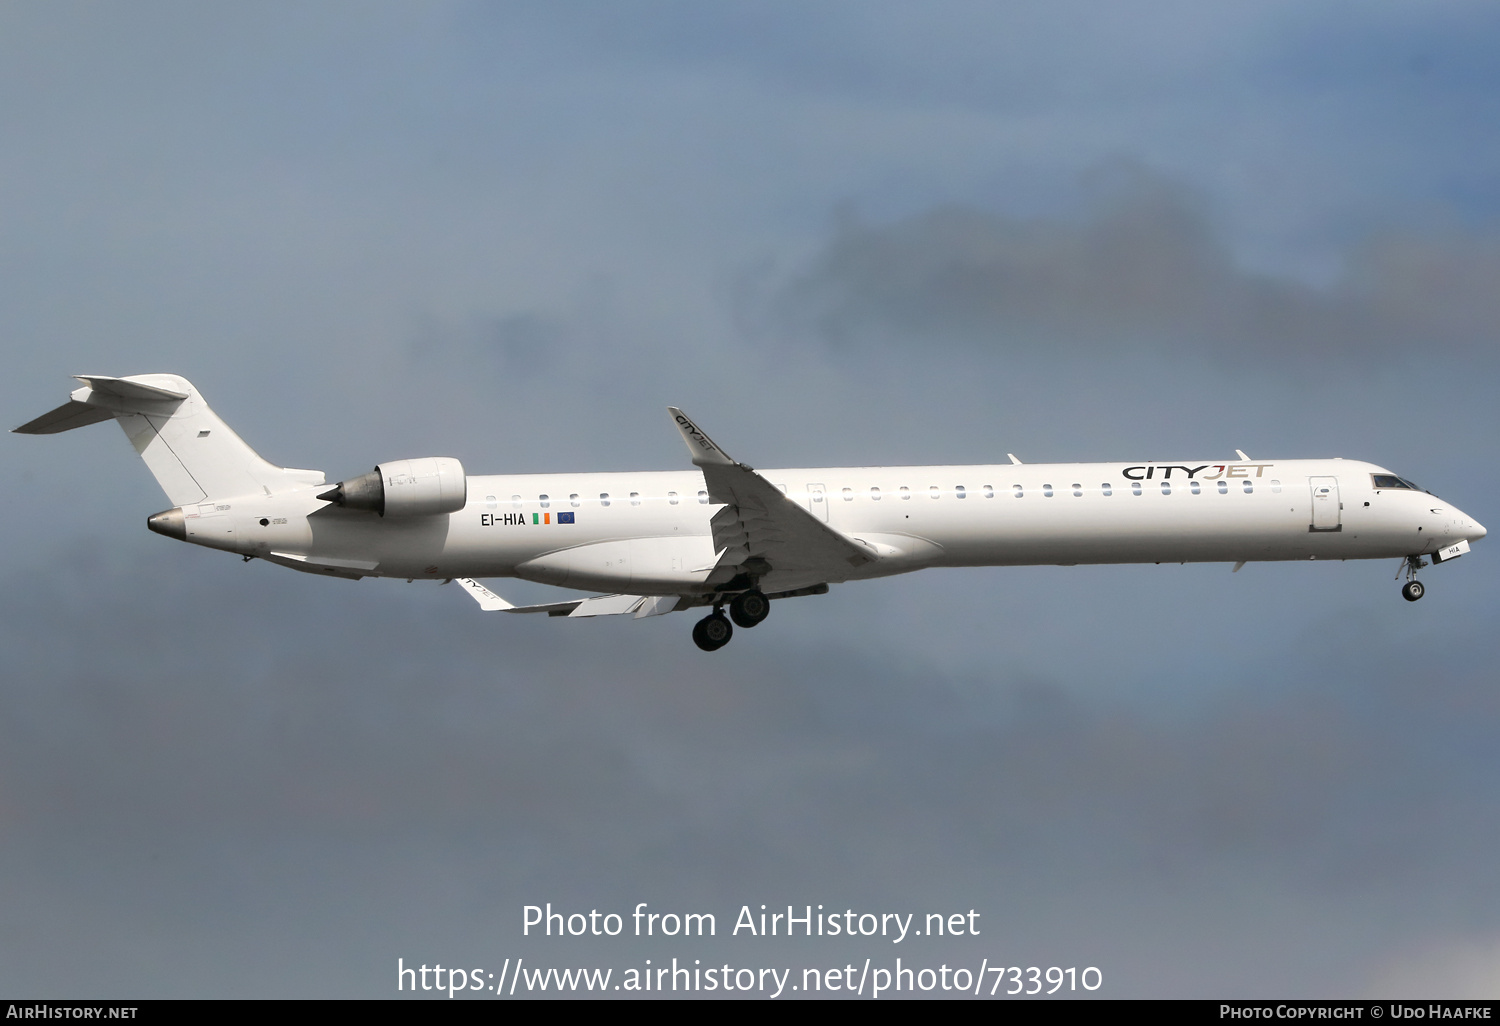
(1392, 481)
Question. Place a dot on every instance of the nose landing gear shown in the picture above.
(1412, 589)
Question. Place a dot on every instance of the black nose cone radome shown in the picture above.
(168, 522)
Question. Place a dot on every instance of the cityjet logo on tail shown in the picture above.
(1147, 473)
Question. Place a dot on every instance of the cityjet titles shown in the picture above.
(1164, 471)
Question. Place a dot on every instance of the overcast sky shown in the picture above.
(835, 234)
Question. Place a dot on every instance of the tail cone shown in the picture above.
(169, 522)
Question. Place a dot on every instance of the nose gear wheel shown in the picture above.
(1412, 589)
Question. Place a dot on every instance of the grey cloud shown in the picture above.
(1144, 268)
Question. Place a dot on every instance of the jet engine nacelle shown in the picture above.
(405, 488)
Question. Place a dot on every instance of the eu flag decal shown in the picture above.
(565, 518)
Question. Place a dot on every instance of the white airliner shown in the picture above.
(726, 534)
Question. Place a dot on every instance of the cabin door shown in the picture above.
(1325, 504)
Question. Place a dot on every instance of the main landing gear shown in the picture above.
(1412, 589)
(714, 631)
(749, 608)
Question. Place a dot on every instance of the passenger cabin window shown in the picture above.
(604, 498)
(516, 501)
(543, 500)
(1166, 487)
(1018, 490)
(1047, 490)
(573, 499)
(1135, 487)
(958, 492)
(848, 494)
(1195, 487)
(1275, 486)
(635, 498)
(489, 501)
(1223, 487)
(1249, 487)
(933, 491)
(875, 494)
(1077, 490)
(989, 491)
(672, 498)
(703, 498)
(905, 492)
(1106, 489)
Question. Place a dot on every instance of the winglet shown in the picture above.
(1013, 458)
(488, 600)
(702, 448)
(1241, 454)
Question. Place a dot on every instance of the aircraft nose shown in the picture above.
(1468, 528)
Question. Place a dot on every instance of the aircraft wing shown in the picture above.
(609, 605)
(594, 605)
(760, 529)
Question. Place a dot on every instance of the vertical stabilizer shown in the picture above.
(192, 453)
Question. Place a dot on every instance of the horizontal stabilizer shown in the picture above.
(71, 414)
(125, 388)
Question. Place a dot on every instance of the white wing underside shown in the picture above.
(596, 605)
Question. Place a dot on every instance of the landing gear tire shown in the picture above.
(1412, 590)
(749, 608)
(712, 632)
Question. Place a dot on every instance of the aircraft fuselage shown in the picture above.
(649, 532)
